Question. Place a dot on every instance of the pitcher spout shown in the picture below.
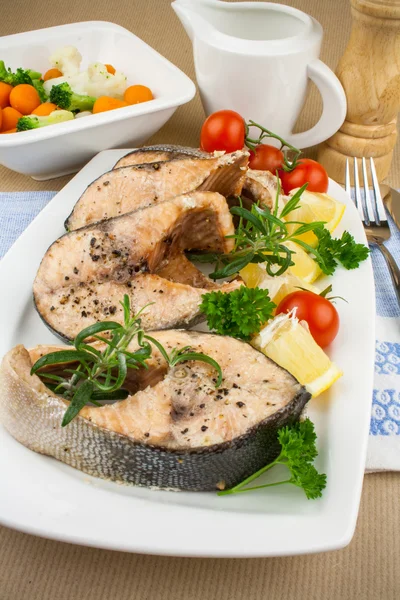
(192, 21)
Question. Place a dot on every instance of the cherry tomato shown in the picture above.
(223, 130)
(320, 314)
(266, 158)
(307, 171)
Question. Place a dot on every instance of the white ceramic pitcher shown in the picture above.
(256, 58)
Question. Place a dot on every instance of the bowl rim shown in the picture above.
(104, 118)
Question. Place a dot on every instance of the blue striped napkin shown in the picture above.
(17, 210)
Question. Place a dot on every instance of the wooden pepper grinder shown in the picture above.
(370, 74)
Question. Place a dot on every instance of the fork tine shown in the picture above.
(357, 190)
(347, 178)
(380, 209)
(368, 204)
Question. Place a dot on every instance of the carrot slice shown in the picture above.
(107, 103)
(110, 69)
(43, 110)
(52, 74)
(5, 91)
(135, 94)
(10, 118)
(24, 98)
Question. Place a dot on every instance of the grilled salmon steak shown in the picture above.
(176, 429)
(84, 274)
(132, 187)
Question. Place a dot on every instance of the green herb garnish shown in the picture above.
(261, 235)
(101, 374)
(345, 250)
(298, 451)
(239, 313)
(183, 354)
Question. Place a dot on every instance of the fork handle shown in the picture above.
(393, 268)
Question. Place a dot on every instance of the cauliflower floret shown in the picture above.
(67, 59)
(77, 82)
(102, 83)
(95, 81)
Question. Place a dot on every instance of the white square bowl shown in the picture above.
(63, 148)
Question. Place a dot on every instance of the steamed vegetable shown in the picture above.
(33, 121)
(64, 86)
(52, 74)
(63, 96)
(105, 103)
(24, 98)
(20, 75)
(136, 94)
(96, 80)
(10, 118)
(45, 109)
(5, 91)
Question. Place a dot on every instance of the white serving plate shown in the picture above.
(44, 497)
(63, 148)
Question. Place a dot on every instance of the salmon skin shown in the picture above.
(159, 153)
(175, 430)
(129, 188)
(84, 275)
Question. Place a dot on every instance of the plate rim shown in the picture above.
(338, 537)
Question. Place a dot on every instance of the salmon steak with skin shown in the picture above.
(84, 275)
(176, 429)
(137, 186)
(258, 186)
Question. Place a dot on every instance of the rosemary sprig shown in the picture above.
(260, 237)
(101, 374)
(178, 355)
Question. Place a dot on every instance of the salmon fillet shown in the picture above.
(85, 274)
(175, 430)
(129, 188)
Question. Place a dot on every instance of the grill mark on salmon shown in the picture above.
(85, 273)
(137, 186)
(175, 430)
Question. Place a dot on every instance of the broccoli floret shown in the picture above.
(21, 76)
(33, 122)
(34, 74)
(39, 87)
(63, 96)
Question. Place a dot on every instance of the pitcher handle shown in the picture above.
(334, 107)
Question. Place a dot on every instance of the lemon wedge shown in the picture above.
(289, 343)
(255, 275)
(315, 207)
(304, 267)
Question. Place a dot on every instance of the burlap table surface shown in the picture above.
(38, 569)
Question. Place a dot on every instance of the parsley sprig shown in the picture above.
(240, 313)
(101, 374)
(298, 451)
(345, 250)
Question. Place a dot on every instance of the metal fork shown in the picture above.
(373, 215)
